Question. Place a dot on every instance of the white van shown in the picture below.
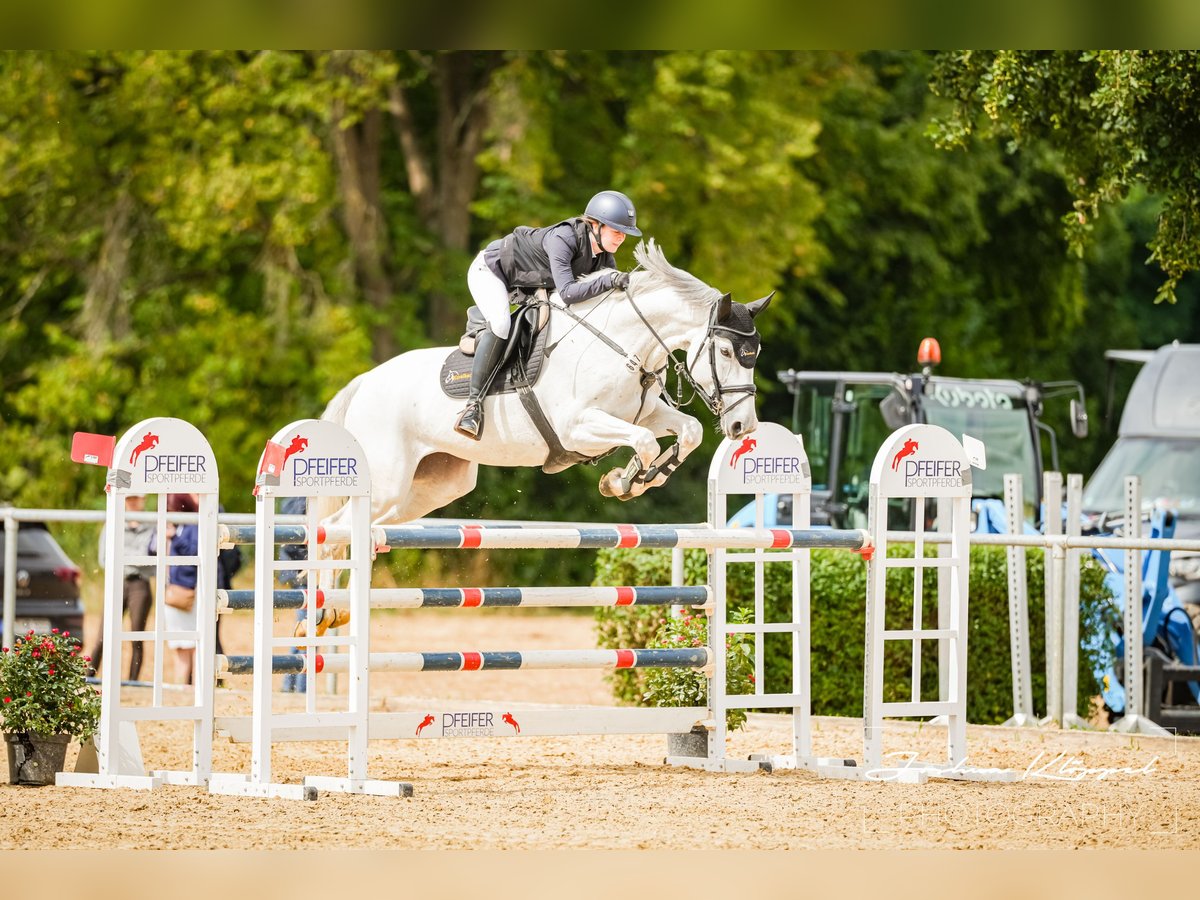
(1158, 440)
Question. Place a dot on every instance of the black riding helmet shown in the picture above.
(615, 210)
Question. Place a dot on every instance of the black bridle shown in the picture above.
(716, 400)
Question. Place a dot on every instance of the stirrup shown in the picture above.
(470, 420)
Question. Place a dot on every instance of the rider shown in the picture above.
(540, 257)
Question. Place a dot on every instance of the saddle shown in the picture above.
(523, 355)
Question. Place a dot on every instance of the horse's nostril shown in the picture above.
(737, 429)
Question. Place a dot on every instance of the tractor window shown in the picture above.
(999, 419)
(866, 432)
(811, 419)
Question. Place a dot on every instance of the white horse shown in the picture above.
(601, 388)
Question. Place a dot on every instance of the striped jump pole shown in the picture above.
(466, 598)
(597, 537)
(484, 660)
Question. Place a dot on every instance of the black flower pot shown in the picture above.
(690, 743)
(35, 758)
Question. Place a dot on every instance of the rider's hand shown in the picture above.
(621, 281)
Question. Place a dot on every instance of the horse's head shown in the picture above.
(721, 363)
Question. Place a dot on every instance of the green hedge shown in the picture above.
(838, 624)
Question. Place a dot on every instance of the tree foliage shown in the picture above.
(1115, 118)
(230, 237)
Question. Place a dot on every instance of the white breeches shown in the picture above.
(490, 295)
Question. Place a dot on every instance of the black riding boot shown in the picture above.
(489, 350)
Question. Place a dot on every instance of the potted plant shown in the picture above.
(689, 687)
(45, 701)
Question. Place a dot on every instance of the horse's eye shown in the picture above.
(726, 352)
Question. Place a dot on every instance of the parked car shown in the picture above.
(47, 583)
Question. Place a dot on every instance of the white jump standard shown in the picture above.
(312, 441)
(157, 456)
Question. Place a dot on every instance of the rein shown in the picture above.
(632, 363)
(683, 371)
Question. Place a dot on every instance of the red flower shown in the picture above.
(29, 693)
(50, 672)
(8, 699)
(36, 655)
(54, 631)
(66, 634)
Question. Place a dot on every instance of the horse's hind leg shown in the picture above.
(439, 479)
(390, 500)
(436, 480)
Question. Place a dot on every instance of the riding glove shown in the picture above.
(621, 281)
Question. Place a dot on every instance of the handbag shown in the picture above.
(180, 597)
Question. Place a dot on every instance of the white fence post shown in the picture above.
(1133, 722)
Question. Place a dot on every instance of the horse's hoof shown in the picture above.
(613, 485)
(330, 617)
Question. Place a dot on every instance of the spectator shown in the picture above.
(181, 583)
(137, 596)
(294, 578)
(184, 540)
(229, 563)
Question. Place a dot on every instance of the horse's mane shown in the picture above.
(661, 274)
(657, 273)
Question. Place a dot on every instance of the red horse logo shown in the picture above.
(428, 720)
(149, 442)
(748, 444)
(508, 719)
(910, 447)
(298, 445)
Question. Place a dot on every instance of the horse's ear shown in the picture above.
(759, 305)
(724, 307)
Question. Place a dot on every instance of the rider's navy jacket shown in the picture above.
(552, 256)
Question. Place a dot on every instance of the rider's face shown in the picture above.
(611, 239)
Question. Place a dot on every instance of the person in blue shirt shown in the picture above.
(184, 540)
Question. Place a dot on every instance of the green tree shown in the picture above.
(170, 237)
(1115, 119)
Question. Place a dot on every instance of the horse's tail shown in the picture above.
(336, 410)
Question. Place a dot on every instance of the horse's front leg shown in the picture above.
(665, 420)
(637, 478)
(595, 432)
